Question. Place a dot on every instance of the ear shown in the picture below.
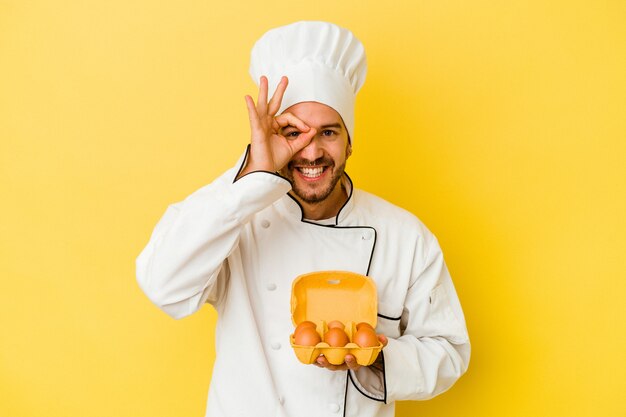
(348, 150)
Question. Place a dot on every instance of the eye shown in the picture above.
(328, 132)
(293, 134)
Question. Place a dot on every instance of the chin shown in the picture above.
(312, 197)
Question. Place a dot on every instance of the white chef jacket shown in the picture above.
(238, 245)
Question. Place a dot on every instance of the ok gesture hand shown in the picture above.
(269, 149)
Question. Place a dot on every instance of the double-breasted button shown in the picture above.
(275, 345)
(270, 286)
(334, 408)
(265, 224)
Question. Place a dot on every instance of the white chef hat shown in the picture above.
(324, 63)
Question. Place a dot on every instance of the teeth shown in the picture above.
(311, 172)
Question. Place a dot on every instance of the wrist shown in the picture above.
(249, 165)
(250, 169)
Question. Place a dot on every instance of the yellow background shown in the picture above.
(501, 124)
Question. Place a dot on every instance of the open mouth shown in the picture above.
(312, 173)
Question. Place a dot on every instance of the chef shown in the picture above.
(288, 208)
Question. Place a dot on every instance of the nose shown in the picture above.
(312, 151)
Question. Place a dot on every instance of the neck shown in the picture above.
(327, 208)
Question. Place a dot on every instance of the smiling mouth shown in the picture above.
(311, 172)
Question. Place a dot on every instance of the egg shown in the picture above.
(366, 337)
(336, 324)
(307, 336)
(304, 325)
(364, 324)
(336, 337)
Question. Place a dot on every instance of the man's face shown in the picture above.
(316, 170)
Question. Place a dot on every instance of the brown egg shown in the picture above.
(366, 337)
(307, 336)
(336, 337)
(336, 324)
(304, 325)
(364, 324)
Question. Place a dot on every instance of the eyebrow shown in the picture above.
(334, 125)
(330, 126)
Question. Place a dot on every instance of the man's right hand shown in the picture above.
(269, 149)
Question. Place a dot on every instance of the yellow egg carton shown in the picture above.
(325, 296)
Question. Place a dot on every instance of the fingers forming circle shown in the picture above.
(288, 119)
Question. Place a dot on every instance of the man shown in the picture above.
(288, 208)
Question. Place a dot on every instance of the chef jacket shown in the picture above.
(239, 243)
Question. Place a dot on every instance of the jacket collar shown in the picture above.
(290, 205)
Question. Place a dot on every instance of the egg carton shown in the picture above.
(324, 296)
(336, 355)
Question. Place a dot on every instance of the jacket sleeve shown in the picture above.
(433, 349)
(185, 263)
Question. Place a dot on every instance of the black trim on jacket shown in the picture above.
(389, 318)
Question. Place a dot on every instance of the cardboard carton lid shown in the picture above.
(334, 295)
